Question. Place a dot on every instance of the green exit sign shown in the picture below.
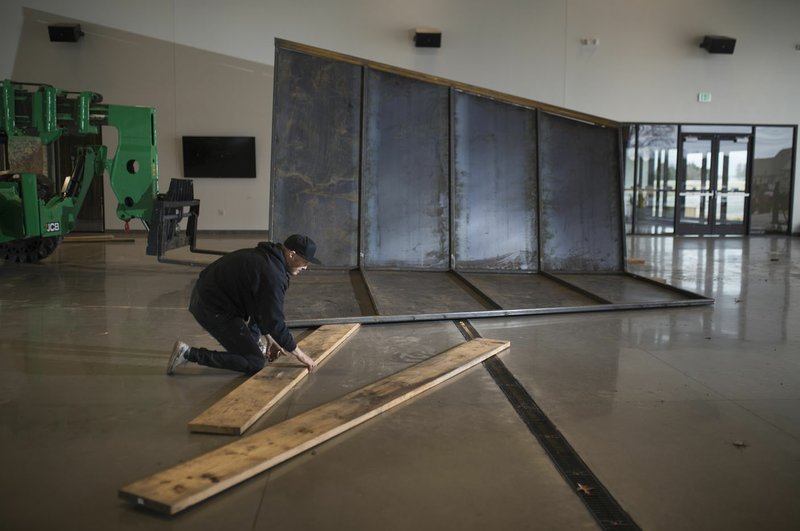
(704, 97)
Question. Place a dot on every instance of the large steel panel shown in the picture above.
(327, 293)
(579, 186)
(513, 291)
(409, 292)
(623, 288)
(406, 173)
(494, 195)
(316, 153)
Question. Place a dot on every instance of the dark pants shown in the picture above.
(237, 337)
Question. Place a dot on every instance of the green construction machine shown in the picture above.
(34, 215)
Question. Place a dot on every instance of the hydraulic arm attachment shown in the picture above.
(34, 217)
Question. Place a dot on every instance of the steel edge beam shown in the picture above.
(566, 283)
(448, 316)
(474, 291)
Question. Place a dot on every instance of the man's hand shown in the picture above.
(304, 359)
(272, 349)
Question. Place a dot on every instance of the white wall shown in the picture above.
(647, 66)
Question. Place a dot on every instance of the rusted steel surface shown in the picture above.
(521, 290)
(579, 187)
(315, 154)
(387, 172)
(494, 192)
(464, 87)
(405, 209)
(408, 292)
(623, 288)
(324, 292)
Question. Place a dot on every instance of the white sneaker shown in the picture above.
(178, 356)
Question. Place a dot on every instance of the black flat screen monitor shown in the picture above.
(219, 156)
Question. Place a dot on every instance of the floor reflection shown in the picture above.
(749, 278)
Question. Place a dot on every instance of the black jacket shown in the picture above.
(250, 283)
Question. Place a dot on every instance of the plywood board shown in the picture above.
(189, 483)
(240, 408)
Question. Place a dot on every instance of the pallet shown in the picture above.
(240, 408)
(189, 483)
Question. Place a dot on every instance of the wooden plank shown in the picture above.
(189, 483)
(240, 408)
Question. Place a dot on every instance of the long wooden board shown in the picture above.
(240, 408)
(193, 481)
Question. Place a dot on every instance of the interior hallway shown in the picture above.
(690, 417)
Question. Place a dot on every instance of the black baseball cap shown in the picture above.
(302, 245)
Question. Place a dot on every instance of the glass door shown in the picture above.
(713, 195)
(732, 193)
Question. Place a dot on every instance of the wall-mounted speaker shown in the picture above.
(427, 38)
(718, 44)
(64, 32)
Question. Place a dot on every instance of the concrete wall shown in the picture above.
(207, 65)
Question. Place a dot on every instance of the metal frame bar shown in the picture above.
(687, 293)
(272, 158)
(370, 291)
(451, 177)
(539, 201)
(447, 316)
(634, 215)
(496, 310)
(621, 192)
(362, 163)
(573, 287)
(791, 182)
(360, 288)
(473, 290)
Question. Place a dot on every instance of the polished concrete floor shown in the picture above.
(690, 417)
